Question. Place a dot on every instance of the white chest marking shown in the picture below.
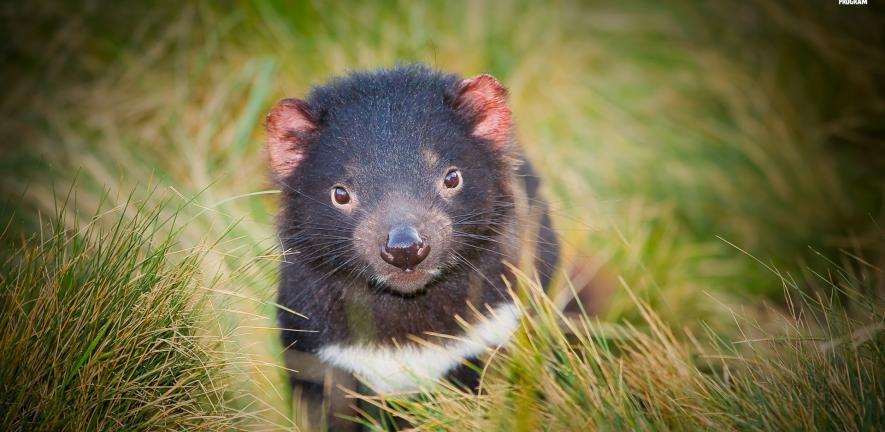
(392, 369)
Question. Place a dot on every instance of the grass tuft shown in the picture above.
(105, 329)
(824, 370)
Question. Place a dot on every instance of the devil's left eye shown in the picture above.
(452, 179)
(340, 196)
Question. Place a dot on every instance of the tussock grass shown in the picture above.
(105, 328)
(825, 370)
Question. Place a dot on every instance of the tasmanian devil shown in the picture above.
(404, 196)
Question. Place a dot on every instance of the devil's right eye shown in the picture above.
(452, 179)
(340, 196)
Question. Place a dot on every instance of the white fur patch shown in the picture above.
(394, 369)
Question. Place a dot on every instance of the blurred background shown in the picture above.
(696, 152)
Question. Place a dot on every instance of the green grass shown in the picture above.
(676, 142)
(105, 328)
(822, 370)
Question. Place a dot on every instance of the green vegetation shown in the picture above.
(103, 329)
(823, 371)
(677, 142)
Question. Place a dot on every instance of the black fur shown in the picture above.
(374, 133)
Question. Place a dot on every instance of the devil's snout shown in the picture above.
(405, 248)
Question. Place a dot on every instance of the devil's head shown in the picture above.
(393, 177)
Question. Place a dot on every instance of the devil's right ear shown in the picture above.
(288, 126)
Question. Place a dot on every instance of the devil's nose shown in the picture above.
(404, 248)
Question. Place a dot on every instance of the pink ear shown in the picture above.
(288, 127)
(483, 100)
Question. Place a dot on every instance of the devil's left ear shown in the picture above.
(289, 127)
(483, 101)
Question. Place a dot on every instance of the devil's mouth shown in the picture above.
(409, 276)
(406, 282)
